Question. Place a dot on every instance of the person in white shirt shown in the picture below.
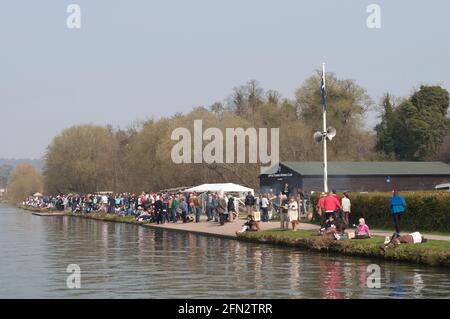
(265, 208)
(346, 208)
(293, 212)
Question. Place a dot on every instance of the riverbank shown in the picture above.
(432, 253)
(203, 228)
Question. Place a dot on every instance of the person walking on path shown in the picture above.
(397, 206)
(346, 208)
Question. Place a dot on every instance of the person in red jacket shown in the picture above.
(331, 204)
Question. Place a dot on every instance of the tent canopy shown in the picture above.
(219, 188)
(37, 194)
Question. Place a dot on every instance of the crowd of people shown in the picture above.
(165, 207)
(153, 207)
(335, 213)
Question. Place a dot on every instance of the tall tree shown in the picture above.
(246, 100)
(418, 126)
(5, 173)
(347, 104)
(81, 159)
(25, 181)
(385, 142)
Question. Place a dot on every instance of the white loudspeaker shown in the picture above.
(331, 132)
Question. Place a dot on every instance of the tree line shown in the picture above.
(89, 158)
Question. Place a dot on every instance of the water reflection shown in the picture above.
(126, 261)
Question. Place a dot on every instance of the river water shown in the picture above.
(129, 261)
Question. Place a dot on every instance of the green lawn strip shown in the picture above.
(391, 230)
(405, 231)
(433, 252)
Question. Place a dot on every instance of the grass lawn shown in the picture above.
(391, 230)
(433, 252)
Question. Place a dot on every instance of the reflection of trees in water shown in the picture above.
(349, 280)
(173, 261)
(294, 274)
(258, 277)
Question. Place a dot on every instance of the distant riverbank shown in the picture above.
(432, 253)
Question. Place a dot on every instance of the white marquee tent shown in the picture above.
(220, 188)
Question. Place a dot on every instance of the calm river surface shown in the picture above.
(128, 261)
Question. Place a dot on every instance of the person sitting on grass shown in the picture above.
(329, 229)
(143, 215)
(77, 208)
(123, 211)
(362, 230)
(250, 225)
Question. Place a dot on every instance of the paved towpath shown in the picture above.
(229, 229)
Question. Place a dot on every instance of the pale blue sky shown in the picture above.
(136, 59)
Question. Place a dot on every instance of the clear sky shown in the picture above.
(140, 58)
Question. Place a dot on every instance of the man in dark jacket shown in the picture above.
(250, 203)
(209, 203)
(159, 206)
(221, 208)
(231, 208)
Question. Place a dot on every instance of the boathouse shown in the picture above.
(356, 176)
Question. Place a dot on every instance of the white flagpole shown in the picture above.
(325, 162)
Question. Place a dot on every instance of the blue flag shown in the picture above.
(324, 96)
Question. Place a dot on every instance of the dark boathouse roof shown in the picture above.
(367, 168)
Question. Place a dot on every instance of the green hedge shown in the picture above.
(426, 211)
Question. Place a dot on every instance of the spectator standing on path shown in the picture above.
(231, 208)
(321, 207)
(346, 208)
(286, 192)
(250, 204)
(331, 203)
(173, 208)
(209, 207)
(284, 220)
(159, 206)
(293, 213)
(265, 208)
(184, 209)
(197, 207)
(221, 208)
(397, 205)
(303, 199)
(258, 203)
(204, 196)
